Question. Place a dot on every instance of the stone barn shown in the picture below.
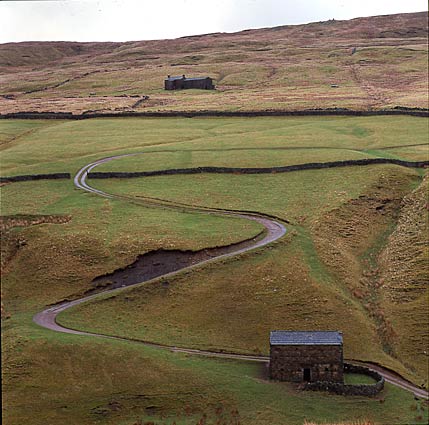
(303, 356)
(182, 82)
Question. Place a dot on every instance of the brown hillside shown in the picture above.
(372, 62)
(404, 267)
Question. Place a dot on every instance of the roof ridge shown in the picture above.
(285, 337)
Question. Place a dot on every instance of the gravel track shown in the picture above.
(274, 231)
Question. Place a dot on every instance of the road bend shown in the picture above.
(274, 230)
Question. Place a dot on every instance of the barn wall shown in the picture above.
(205, 84)
(325, 362)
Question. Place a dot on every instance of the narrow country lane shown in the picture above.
(274, 231)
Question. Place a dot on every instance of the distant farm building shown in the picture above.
(182, 82)
(306, 356)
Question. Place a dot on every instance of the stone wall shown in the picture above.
(257, 170)
(417, 112)
(298, 363)
(29, 177)
(367, 390)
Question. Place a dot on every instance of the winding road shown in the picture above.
(274, 231)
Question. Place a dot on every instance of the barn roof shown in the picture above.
(306, 338)
(196, 78)
(181, 77)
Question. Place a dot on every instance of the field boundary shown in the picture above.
(416, 112)
(366, 390)
(256, 170)
(30, 177)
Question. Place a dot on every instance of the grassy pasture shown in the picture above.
(296, 196)
(230, 305)
(67, 146)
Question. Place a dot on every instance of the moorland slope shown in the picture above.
(364, 63)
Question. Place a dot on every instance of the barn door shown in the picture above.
(307, 375)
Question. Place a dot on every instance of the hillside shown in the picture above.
(353, 259)
(362, 63)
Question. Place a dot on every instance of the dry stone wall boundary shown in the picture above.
(367, 390)
(416, 112)
(29, 177)
(267, 170)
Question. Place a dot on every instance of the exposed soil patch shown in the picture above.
(160, 262)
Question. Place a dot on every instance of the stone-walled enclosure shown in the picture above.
(367, 390)
(306, 356)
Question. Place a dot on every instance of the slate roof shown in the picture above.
(306, 338)
(196, 78)
(185, 78)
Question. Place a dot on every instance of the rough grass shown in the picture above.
(289, 67)
(231, 305)
(101, 236)
(403, 280)
(356, 378)
(54, 378)
(293, 285)
(296, 196)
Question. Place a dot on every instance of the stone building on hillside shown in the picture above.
(303, 356)
(182, 82)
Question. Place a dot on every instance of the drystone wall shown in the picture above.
(29, 177)
(367, 390)
(417, 112)
(267, 170)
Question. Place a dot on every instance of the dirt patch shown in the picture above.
(160, 262)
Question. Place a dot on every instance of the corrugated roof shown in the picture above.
(306, 338)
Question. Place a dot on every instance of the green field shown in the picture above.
(332, 270)
(35, 146)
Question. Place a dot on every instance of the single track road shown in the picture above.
(274, 231)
